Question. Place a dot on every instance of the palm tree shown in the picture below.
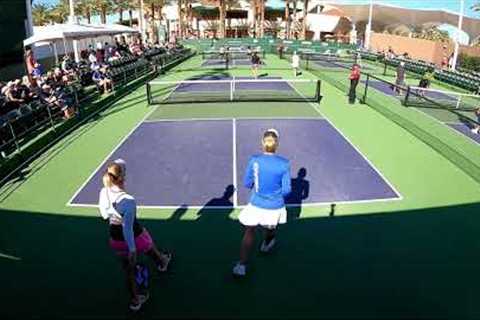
(287, 19)
(42, 14)
(253, 4)
(61, 11)
(180, 18)
(122, 6)
(87, 9)
(304, 22)
(104, 7)
(262, 17)
(222, 13)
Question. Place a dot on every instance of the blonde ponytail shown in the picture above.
(114, 175)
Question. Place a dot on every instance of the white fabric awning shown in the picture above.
(56, 32)
(322, 22)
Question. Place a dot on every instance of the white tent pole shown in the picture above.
(55, 52)
(368, 29)
(457, 38)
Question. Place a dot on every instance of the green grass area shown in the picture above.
(415, 257)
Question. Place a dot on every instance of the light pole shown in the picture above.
(457, 35)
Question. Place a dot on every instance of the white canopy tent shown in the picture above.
(64, 33)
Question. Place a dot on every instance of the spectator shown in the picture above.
(101, 80)
(29, 60)
(92, 58)
(67, 65)
(37, 70)
(100, 53)
(57, 99)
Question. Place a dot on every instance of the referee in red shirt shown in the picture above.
(354, 79)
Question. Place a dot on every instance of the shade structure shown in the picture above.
(56, 32)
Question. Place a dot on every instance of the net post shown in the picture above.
(317, 91)
(364, 98)
(385, 66)
(307, 62)
(407, 95)
(149, 94)
(231, 89)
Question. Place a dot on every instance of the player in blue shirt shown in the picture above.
(268, 176)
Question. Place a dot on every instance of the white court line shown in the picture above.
(234, 160)
(308, 204)
(315, 107)
(69, 203)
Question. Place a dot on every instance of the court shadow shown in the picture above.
(179, 213)
(300, 192)
(344, 267)
(217, 210)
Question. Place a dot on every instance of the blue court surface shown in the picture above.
(195, 163)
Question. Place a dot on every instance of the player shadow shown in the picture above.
(217, 210)
(300, 192)
(179, 212)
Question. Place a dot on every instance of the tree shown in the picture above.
(304, 22)
(180, 18)
(61, 11)
(122, 6)
(104, 7)
(222, 16)
(287, 19)
(42, 14)
(253, 4)
(86, 8)
(262, 17)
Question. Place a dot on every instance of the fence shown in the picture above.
(378, 93)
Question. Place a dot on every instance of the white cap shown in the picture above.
(274, 131)
(122, 163)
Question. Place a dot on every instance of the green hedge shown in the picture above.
(469, 62)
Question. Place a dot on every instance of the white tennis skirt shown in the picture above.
(252, 216)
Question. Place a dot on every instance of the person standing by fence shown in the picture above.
(354, 79)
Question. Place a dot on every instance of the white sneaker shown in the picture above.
(474, 130)
(240, 270)
(266, 248)
(142, 298)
